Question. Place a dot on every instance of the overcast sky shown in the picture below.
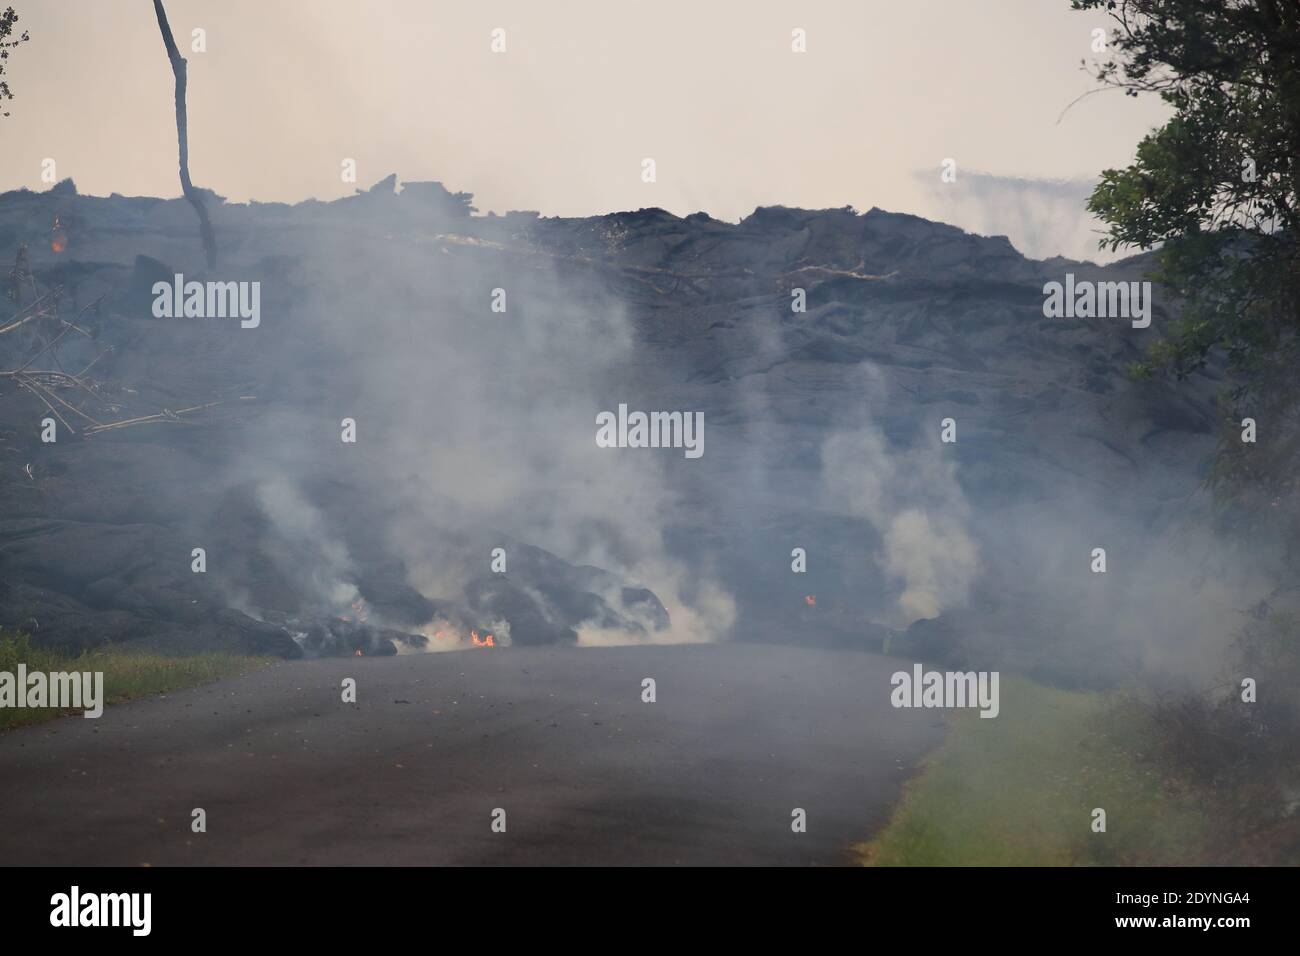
(561, 121)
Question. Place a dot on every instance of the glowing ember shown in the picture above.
(59, 241)
(810, 600)
(360, 612)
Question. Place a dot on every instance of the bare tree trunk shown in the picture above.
(196, 200)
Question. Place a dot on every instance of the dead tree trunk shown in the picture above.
(182, 135)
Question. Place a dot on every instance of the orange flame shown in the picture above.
(360, 612)
(358, 653)
(810, 600)
(486, 642)
(59, 241)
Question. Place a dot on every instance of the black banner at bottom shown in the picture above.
(337, 905)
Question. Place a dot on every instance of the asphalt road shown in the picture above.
(559, 738)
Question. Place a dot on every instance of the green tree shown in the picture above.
(7, 21)
(1215, 190)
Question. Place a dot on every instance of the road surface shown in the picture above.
(739, 736)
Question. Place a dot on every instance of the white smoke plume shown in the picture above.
(912, 499)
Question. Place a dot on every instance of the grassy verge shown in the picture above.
(127, 674)
(1019, 790)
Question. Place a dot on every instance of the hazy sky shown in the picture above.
(560, 122)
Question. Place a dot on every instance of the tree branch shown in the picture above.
(182, 135)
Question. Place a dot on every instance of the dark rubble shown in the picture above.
(95, 542)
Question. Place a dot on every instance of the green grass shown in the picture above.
(128, 675)
(1019, 790)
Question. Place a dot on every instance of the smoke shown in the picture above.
(303, 546)
(474, 372)
(1171, 596)
(1042, 217)
(933, 557)
(913, 500)
(700, 611)
(475, 432)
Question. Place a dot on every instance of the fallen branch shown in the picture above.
(48, 345)
(166, 415)
(37, 308)
(31, 383)
(66, 378)
(107, 349)
(31, 388)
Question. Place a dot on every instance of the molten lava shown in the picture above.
(59, 241)
(360, 612)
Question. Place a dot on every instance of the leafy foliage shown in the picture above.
(7, 21)
(1216, 190)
